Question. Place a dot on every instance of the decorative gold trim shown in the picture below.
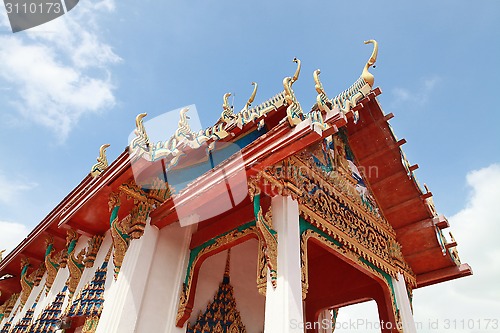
(331, 203)
(93, 247)
(102, 162)
(346, 253)
(268, 244)
(185, 308)
(90, 325)
(51, 263)
(8, 305)
(75, 265)
(26, 283)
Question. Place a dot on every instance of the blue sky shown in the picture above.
(77, 82)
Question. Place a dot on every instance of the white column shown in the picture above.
(159, 308)
(123, 302)
(404, 304)
(325, 321)
(284, 311)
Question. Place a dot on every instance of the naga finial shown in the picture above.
(252, 97)
(227, 110)
(140, 143)
(183, 131)
(102, 162)
(322, 100)
(318, 85)
(366, 75)
(295, 76)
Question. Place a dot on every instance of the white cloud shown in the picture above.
(476, 228)
(11, 234)
(466, 304)
(10, 188)
(60, 70)
(418, 96)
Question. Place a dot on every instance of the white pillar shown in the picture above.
(161, 298)
(403, 303)
(325, 321)
(123, 302)
(284, 311)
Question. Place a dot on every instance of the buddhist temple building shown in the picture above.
(271, 220)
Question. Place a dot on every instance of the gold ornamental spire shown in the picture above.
(297, 71)
(252, 97)
(102, 162)
(366, 75)
(227, 110)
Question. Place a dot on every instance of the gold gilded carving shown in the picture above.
(75, 263)
(350, 253)
(268, 245)
(140, 144)
(227, 110)
(366, 75)
(184, 309)
(71, 238)
(90, 325)
(331, 203)
(119, 232)
(26, 283)
(102, 162)
(322, 100)
(293, 110)
(143, 203)
(304, 274)
(93, 246)
(51, 262)
(8, 305)
(1, 255)
(36, 275)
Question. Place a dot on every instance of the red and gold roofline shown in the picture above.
(85, 208)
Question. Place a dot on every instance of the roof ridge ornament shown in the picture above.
(324, 103)
(140, 144)
(366, 75)
(293, 110)
(102, 162)
(252, 96)
(227, 110)
(297, 71)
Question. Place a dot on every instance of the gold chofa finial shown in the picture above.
(366, 75)
(252, 97)
(140, 144)
(227, 110)
(318, 85)
(297, 71)
(102, 162)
